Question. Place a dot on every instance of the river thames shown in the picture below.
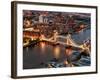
(43, 54)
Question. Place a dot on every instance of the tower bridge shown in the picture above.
(69, 41)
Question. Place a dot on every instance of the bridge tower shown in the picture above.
(55, 35)
(69, 40)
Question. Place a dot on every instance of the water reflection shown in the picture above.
(57, 52)
(69, 51)
(27, 49)
(42, 46)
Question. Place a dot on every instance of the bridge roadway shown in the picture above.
(63, 44)
(69, 41)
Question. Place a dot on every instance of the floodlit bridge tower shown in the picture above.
(55, 35)
(70, 41)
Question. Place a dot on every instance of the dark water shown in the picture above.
(83, 35)
(35, 56)
(42, 53)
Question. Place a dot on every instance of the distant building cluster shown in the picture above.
(47, 22)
